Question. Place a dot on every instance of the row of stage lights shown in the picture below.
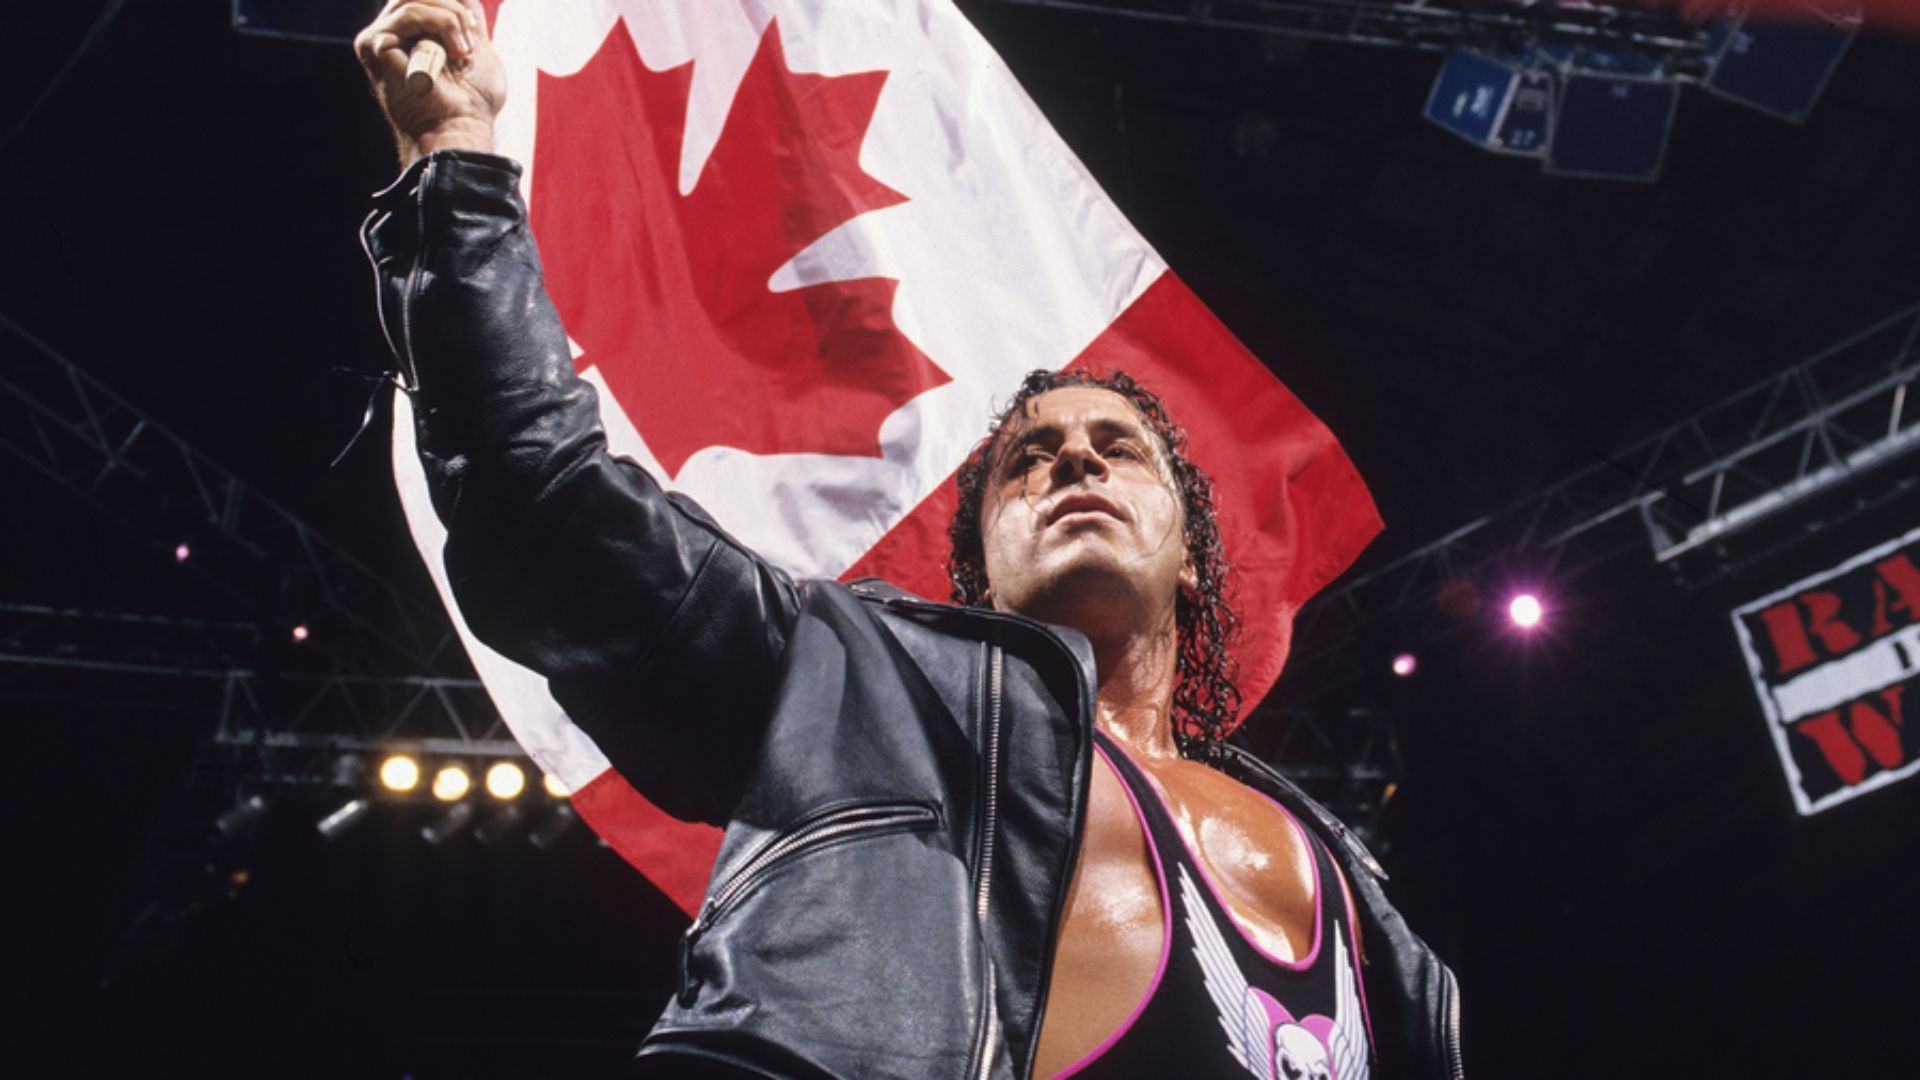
(505, 782)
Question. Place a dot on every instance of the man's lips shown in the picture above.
(1084, 503)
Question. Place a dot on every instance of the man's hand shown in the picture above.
(457, 114)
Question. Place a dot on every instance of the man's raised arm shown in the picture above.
(658, 632)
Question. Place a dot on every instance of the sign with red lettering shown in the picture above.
(1836, 662)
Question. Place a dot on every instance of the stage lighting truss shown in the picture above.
(68, 426)
(1771, 448)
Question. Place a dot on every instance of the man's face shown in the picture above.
(1080, 519)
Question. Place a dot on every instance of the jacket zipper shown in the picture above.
(1082, 764)
(834, 824)
(989, 820)
(1457, 1070)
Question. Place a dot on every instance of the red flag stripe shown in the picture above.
(677, 856)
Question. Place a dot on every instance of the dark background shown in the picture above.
(1592, 828)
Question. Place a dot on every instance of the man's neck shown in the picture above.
(1135, 696)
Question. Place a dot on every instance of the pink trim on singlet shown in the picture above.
(1166, 927)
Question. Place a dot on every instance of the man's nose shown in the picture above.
(1077, 460)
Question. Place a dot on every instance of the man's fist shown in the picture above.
(457, 113)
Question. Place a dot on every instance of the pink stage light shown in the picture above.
(1526, 611)
(182, 553)
(300, 632)
(1405, 664)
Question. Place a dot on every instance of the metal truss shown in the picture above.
(387, 675)
(1425, 25)
(1816, 425)
(66, 425)
(276, 727)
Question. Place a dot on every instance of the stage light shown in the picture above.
(505, 780)
(1525, 611)
(182, 553)
(400, 773)
(554, 826)
(300, 632)
(245, 814)
(447, 825)
(451, 782)
(553, 785)
(338, 822)
(1405, 664)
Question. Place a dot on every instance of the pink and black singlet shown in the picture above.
(1219, 1005)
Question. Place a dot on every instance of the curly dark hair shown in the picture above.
(1206, 701)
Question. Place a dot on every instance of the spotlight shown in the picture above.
(451, 782)
(554, 826)
(492, 830)
(400, 773)
(505, 780)
(447, 825)
(1525, 611)
(1405, 664)
(181, 552)
(338, 822)
(554, 787)
(245, 815)
(300, 632)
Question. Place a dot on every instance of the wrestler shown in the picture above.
(998, 837)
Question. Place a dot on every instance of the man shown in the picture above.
(999, 838)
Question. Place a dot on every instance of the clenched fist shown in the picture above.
(457, 113)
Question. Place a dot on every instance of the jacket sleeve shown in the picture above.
(658, 633)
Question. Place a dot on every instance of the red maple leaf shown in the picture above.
(667, 294)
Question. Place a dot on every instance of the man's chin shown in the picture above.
(1089, 593)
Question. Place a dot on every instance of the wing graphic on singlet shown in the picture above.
(1349, 1036)
(1241, 1015)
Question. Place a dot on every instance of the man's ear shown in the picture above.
(1189, 578)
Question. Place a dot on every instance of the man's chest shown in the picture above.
(1252, 854)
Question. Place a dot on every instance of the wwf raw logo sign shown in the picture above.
(1836, 662)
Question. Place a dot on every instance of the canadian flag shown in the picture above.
(802, 247)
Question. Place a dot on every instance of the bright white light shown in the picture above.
(1404, 664)
(505, 780)
(182, 553)
(450, 783)
(554, 787)
(300, 632)
(399, 773)
(1525, 610)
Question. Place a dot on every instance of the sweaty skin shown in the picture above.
(1082, 528)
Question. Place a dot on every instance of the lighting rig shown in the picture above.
(1587, 89)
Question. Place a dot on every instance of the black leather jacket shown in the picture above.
(902, 782)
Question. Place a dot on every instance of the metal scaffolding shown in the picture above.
(388, 677)
(1814, 426)
(275, 726)
(68, 426)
